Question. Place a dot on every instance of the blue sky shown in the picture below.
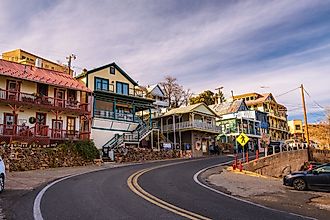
(240, 45)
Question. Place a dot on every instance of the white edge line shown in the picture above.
(37, 201)
(236, 198)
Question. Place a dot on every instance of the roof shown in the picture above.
(107, 66)
(35, 74)
(227, 107)
(261, 99)
(188, 109)
(20, 50)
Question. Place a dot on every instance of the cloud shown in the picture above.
(241, 45)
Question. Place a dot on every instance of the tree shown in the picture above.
(175, 93)
(207, 97)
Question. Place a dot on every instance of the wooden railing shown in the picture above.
(192, 124)
(41, 131)
(26, 98)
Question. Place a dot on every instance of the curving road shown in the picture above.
(106, 195)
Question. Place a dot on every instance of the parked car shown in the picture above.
(2, 175)
(317, 178)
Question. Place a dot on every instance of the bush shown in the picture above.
(87, 149)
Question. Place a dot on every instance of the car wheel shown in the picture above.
(299, 184)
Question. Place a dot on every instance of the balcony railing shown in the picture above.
(41, 131)
(50, 102)
(130, 92)
(112, 115)
(192, 125)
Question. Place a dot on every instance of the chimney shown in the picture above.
(38, 63)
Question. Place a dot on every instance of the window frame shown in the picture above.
(122, 84)
(102, 82)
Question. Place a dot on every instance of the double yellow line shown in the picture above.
(132, 183)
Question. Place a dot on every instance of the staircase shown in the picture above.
(134, 137)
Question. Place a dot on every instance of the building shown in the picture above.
(296, 130)
(190, 128)
(117, 100)
(235, 118)
(41, 106)
(276, 113)
(161, 102)
(24, 57)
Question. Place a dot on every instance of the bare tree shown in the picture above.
(175, 93)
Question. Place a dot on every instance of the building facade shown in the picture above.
(296, 130)
(117, 102)
(235, 118)
(276, 113)
(41, 106)
(190, 128)
(24, 57)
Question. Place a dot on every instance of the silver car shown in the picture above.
(2, 175)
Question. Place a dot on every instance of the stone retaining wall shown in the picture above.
(145, 154)
(321, 156)
(19, 158)
(279, 164)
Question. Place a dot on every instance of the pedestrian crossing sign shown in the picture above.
(242, 139)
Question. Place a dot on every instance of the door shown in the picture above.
(13, 88)
(10, 123)
(57, 129)
(71, 126)
(41, 128)
(59, 98)
(320, 178)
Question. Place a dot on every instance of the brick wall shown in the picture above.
(279, 164)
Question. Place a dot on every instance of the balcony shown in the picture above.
(36, 134)
(131, 92)
(27, 99)
(188, 125)
(107, 114)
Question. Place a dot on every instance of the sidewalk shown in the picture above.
(269, 192)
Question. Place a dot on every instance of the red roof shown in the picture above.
(40, 75)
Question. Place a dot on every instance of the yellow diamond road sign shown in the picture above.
(242, 139)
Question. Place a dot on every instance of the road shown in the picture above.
(105, 194)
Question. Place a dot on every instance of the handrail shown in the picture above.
(11, 95)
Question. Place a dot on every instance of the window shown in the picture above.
(101, 84)
(122, 88)
(297, 127)
(42, 89)
(112, 69)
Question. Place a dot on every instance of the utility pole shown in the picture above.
(69, 61)
(305, 119)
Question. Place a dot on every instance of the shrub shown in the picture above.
(87, 149)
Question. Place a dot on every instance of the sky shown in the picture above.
(242, 46)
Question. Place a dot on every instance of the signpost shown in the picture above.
(242, 139)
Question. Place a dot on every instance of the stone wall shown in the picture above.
(23, 158)
(322, 156)
(145, 154)
(279, 164)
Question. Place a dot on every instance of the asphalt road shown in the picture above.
(106, 195)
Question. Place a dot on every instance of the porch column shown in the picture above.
(133, 112)
(174, 136)
(150, 121)
(248, 123)
(114, 109)
(161, 125)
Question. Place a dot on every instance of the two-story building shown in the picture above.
(190, 128)
(41, 106)
(276, 113)
(235, 118)
(117, 100)
(296, 130)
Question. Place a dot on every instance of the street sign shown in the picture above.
(242, 139)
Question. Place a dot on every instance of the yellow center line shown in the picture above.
(132, 183)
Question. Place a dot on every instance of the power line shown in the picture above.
(314, 100)
(287, 92)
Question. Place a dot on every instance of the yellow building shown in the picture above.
(276, 113)
(296, 130)
(23, 57)
(41, 106)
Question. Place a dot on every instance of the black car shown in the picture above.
(318, 178)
